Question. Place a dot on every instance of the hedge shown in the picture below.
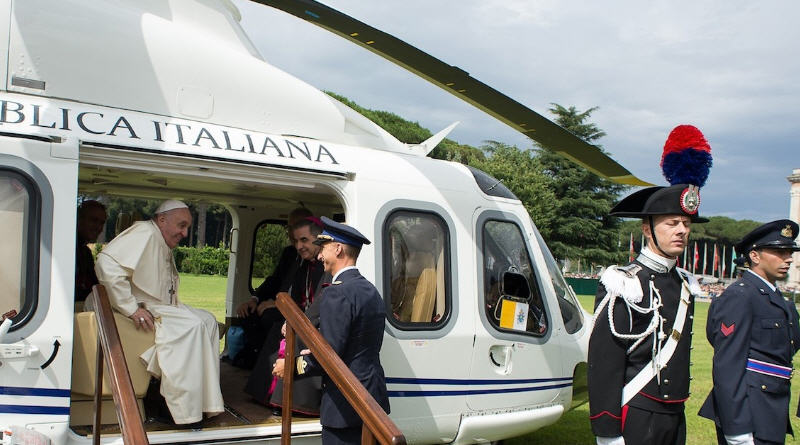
(204, 261)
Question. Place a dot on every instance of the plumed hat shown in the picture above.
(685, 162)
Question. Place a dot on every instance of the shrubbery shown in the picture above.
(205, 261)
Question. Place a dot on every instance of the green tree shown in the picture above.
(581, 228)
(520, 172)
(413, 133)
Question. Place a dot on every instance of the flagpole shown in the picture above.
(705, 257)
(685, 254)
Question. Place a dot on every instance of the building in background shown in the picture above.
(793, 280)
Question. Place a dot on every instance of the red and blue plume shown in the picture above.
(687, 156)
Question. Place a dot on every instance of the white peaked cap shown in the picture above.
(170, 204)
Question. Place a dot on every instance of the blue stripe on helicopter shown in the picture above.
(33, 409)
(37, 392)
(416, 381)
(469, 392)
(562, 382)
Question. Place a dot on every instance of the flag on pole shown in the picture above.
(631, 253)
(705, 257)
(696, 258)
(733, 260)
(685, 255)
(715, 266)
(722, 273)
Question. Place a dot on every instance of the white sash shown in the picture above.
(651, 369)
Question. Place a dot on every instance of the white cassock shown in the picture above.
(137, 268)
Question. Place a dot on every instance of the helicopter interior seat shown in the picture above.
(420, 286)
(84, 359)
(424, 297)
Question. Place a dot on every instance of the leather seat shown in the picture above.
(84, 358)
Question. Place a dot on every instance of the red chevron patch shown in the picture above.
(727, 330)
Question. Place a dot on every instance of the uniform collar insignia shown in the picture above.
(336, 282)
(787, 231)
(655, 262)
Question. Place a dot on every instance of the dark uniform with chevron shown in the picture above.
(640, 343)
(754, 332)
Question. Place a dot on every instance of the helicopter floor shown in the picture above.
(240, 408)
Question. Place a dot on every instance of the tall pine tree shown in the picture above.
(581, 229)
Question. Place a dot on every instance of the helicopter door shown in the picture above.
(38, 185)
(516, 360)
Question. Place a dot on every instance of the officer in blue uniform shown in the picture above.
(352, 318)
(754, 332)
(639, 347)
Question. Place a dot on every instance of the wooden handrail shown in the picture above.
(376, 422)
(110, 349)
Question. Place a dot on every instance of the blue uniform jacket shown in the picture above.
(352, 318)
(750, 321)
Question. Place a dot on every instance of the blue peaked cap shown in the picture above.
(341, 233)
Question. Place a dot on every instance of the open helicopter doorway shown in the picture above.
(246, 212)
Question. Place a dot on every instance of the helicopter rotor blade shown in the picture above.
(459, 83)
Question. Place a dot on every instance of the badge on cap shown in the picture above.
(690, 199)
(787, 231)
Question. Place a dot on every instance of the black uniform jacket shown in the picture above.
(751, 321)
(352, 318)
(611, 367)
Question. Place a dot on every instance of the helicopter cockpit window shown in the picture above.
(417, 270)
(18, 257)
(512, 297)
(567, 302)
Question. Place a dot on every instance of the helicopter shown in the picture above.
(484, 340)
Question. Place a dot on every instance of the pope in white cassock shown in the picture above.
(138, 271)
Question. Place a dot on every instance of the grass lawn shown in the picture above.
(208, 292)
(573, 428)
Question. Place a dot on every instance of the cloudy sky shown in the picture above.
(728, 67)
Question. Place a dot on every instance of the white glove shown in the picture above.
(740, 439)
(610, 440)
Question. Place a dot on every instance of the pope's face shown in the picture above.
(671, 232)
(772, 264)
(174, 226)
(304, 243)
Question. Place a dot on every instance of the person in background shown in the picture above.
(303, 289)
(91, 222)
(258, 316)
(755, 333)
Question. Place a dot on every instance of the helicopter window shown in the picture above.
(417, 272)
(270, 240)
(567, 302)
(19, 223)
(512, 298)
